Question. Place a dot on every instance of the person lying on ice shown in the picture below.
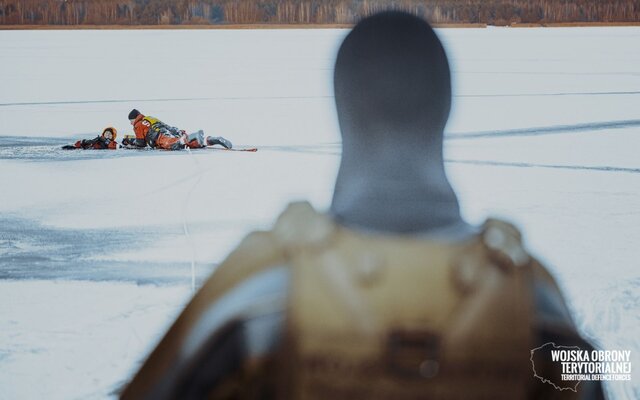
(156, 134)
(106, 141)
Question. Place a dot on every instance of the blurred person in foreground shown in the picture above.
(390, 295)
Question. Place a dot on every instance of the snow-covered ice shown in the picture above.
(97, 248)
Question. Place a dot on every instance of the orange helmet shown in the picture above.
(111, 129)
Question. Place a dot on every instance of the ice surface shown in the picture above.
(96, 247)
(78, 340)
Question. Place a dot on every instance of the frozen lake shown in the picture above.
(98, 249)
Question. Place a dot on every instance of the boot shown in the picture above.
(219, 140)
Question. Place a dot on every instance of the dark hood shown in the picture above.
(393, 97)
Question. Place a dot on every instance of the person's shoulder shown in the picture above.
(298, 226)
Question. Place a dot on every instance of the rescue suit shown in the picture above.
(106, 141)
(156, 134)
(390, 295)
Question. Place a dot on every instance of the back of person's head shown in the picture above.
(392, 77)
(393, 97)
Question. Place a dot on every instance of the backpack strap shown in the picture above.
(167, 366)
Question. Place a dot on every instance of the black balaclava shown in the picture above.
(393, 96)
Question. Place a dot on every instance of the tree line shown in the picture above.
(194, 12)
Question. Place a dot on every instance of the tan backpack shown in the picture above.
(376, 317)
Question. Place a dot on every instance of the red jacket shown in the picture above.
(155, 133)
(99, 143)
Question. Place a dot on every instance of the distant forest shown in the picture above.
(205, 12)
